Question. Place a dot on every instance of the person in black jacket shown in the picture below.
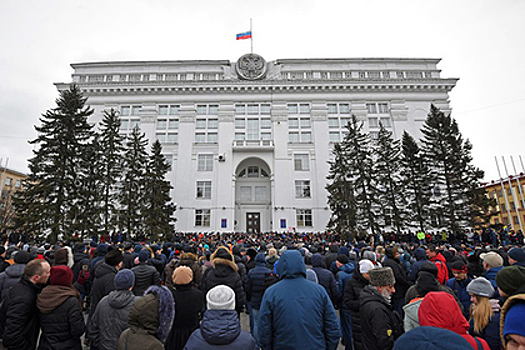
(325, 278)
(128, 257)
(104, 277)
(60, 312)
(259, 278)
(111, 315)
(189, 306)
(380, 323)
(224, 271)
(13, 273)
(19, 314)
(402, 283)
(3, 264)
(353, 288)
(145, 275)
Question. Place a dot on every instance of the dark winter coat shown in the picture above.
(9, 278)
(189, 306)
(296, 313)
(325, 278)
(224, 271)
(145, 276)
(353, 289)
(270, 261)
(257, 281)
(61, 318)
(79, 259)
(128, 260)
(186, 260)
(421, 258)
(380, 324)
(402, 284)
(150, 321)
(460, 289)
(220, 329)
(20, 323)
(103, 284)
(242, 268)
(343, 276)
(3, 264)
(489, 333)
(110, 319)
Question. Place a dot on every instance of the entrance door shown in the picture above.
(253, 222)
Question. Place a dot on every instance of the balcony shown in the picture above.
(253, 145)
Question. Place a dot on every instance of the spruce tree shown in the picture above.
(341, 194)
(158, 210)
(112, 148)
(417, 181)
(388, 178)
(131, 195)
(55, 172)
(361, 173)
(450, 159)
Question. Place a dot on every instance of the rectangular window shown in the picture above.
(205, 162)
(293, 137)
(124, 124)
(125, 111)
(301, 162)
(135, 110)
(266, 136)
(240, 123)
(333, 122)
(200, 137)
(302, 188)
(240, 109)
(172, 138)
(383, 108)
(163, 110)
(239, 136)
(305, 123)
(134, 123)
(293, 123)
(335, 136)
(373, 122)
(304, 109)
(306, 137)
(202, 217)
(265, 109)
(161, 137)
(8, 181)
(246, 194)
(174, 109)
(344, 108)
(213, 123)
(200, 124)
(173, 124)
(213, 137)
(386, 122)
(204, 189)
(266, 123)
(304, 217)
(332, 108)
(213, 110)
(371, 108)
(161, 124)
(253, 109)
(201, 109)
(260, 193)
(253, 129)
(169, 161)
(292, 109)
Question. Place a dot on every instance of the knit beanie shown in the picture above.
(382, 276)
(431, 338)
(182, 275)
(517, 254)
(481, 286)
(365, 266)
(61, 276)
(510, 279)
(61, 256)
(343, 259)
(459, 266)
(113, 257)
(124, 279)
(514, 320)
(144, 255)
(22, 257)
(220, 297)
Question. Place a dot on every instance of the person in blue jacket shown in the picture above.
(459, 285)
(296, 313)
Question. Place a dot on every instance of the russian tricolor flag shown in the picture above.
(245, 35)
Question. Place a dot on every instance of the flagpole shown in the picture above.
(251, 36)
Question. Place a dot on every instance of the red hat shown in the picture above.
(61, 276)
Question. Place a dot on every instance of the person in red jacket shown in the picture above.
(435, 257)
(439, 309)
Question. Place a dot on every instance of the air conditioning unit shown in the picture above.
(221, 157)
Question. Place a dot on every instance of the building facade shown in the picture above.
(10, 182)
(509, 195)
(248, 141)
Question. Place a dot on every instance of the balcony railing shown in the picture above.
(253, 145)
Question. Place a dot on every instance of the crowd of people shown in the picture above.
(300, 290)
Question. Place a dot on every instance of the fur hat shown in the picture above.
(182, 275)
(382, 276)
(124, 279)
(365, 266)
(510, 279)
(222, 253)
(61, 276)
(481, 286)
(517, 254)
(493, 259)
(113, 257)
(220, 297)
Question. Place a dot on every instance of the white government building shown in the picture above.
(248, 141)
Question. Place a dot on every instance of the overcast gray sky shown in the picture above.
(480, 41)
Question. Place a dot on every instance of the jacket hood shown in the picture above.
(220, 327)
(144, 315)
(15, 271)
(439, 309)
(426, 282)
(79, 256)
(291, 265)
(166, 310)
(318, 261)
(420, 254)
(219, 262)
(119, 299)
(53, 296)
(260, 259)
(348, 268)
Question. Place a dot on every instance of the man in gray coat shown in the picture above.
(110, 318)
